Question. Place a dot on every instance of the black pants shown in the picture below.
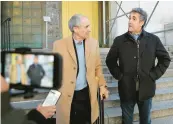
(80, 107)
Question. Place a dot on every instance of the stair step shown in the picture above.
(20, 103)
(160, 83)
(104, 66)
(160, 95)
(106, 50)
(110, 78)
(163, 120)
(159, 109)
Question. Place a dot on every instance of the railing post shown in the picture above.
(5, 39)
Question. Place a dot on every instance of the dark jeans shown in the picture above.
(80, 107)
(144, 111)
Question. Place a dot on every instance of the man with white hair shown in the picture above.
(82, 75)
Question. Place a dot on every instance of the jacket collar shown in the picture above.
(143, 42)
(143, 34)
(71, 48)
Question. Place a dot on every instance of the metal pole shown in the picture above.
(104, 24)
(117, 17)
(162, 31)
(121, 9)
(46, 34)
(151, 14)
(114, 21)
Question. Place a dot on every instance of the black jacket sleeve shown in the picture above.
(37, 117)
(42, 69)
(163, 61)
(111, 61)
(29, 71)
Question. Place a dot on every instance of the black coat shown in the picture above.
(125, 50)
(36, 73)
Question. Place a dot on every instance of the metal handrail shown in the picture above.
(5, 35)
(8, 19)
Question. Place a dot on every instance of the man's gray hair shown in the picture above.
(75, 20)
(143, 14)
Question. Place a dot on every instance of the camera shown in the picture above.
(24, 70)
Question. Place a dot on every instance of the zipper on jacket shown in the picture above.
(137, 67)
(138, 57)
(137, 42)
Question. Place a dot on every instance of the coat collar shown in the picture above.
(71, 49)
(143, 38)
(143, 34)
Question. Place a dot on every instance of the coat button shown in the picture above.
(134, 57)
(74, 68)
(72, 82)
(69, 95)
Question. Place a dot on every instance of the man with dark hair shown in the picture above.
(136, 72)
(36, 72)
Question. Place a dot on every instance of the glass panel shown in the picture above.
(17, 39)
(16, 45)
(26, 12)
(36, 4)
(26, 4)
(7, 12)
(36, 30)
(27, 38)
(36, 21)
(27, 21)
(17, 21)
(17, 12)
(36, 13)
(16, 30)
(36, 38)
(26, 29)
(27, 25)
(7, 4)
(17, 4)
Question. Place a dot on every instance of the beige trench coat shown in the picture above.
(13, 74)
(94, 76)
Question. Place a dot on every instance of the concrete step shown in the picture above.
(170, 48)
(163, 120)
(106, 50)
(104, 55)
(30, 103)
(161, 95)
(159, 109)
(170, 52)
(171, 65)
(110, 78)
(20, 102)
(105, 68)
(160, 83)
(167, 48)
(171, 58)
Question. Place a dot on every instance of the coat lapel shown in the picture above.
(87, 49)
(71, 49)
